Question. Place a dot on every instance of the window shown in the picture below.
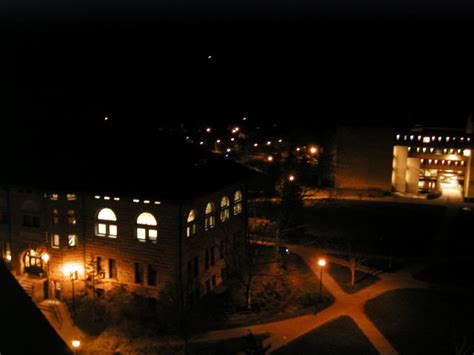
(71, 197)
(196, 266)
(3, 217)
(213, 256)
(237, 203)
(225, 209)
(210, 220)
(206, 260)
(138, 273)
(55, 216)
(55, 241)
(54, 197)
(112, 269)
(104, 227)
(30, 221)
(71, 217)
(152, 275)
(147, 227)
(191, 228)
(72, 240)
(98, 265)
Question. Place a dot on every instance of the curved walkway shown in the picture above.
(280, 333)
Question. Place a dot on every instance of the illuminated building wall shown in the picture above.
(51, 236)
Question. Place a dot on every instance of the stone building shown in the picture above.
(173, 219)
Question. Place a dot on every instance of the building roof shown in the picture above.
(123, 158)
(25, 330)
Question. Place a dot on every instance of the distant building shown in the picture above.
(416, 161)
(153, 217)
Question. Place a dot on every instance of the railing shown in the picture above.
(57, 312)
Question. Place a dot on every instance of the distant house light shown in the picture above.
(419, 138)
(398, 137)
(146, 201)
(269, 142)
(232, 139)
(157, 203)
(447, 139)
(411, 137)
(71, 197)
(426, 139)
(136, 200)
(97, 197)
(54, 197)
(439, 138)
(201, 143)
(116, 198)
(468, 139)
(107, 198)
(462, 139)
(466, 152)
(218, 141)
(255, 144)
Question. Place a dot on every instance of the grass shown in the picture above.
(448, 272)
(290, 296)
(342, 275)
(424, 321)
(228, 346)
(341, 336)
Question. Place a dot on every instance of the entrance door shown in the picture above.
(33, 263)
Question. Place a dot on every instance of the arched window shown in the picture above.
(105, 226)
(191, 228)
(225, 209)
(147, 227)
(210, 220)
(237, 202)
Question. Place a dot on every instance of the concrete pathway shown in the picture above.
(280, 333)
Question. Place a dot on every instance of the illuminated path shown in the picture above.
(280, 333)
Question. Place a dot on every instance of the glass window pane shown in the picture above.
(152, 234)
(102, 229)
(141, 234)
(106, 214)
(112, 230)
(72, 240)
(146, 219)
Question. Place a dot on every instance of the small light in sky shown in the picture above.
(244, 119)
(270, 158)
(298, 149)
(255, 144)
(187, 138)
(228, 150)
(106, 118)
(313, 150)
(218, 141)
(201, 142)
(269, 143)
(280, 140)
(208, 129)
(232, 139)
(291, 177)
(209, 57)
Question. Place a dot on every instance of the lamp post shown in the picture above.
(322, 264)
(73, 276)
(76, 344)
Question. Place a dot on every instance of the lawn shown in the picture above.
(294, 294)
(424, 321)
(341, 336)
(228, 346)
(448, 272)
(342, 275)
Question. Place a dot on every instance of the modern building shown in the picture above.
(156, 217)
(416, 161)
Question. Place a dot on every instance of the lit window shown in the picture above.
(191, 228)
(147, 227)
(55, 216)
(225, 209)
(71, 197)
(104, 226)
(54, 197)
(426, 139)
(398, 137)
(8, 252)
(135, 200)
(72, 240)
(71, 217)
(97, 197)
(55, 241)
(157, 203)
(466, 152)
(237, 202)
(107, 198)
(210, 220)
(116, 198)
(146, 201)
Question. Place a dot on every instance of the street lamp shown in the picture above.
(76, 344)
(322, 264)
(73, 277)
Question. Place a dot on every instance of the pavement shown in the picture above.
(280, 333)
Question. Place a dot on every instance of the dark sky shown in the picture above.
(345, 62)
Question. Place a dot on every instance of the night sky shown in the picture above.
(333, 62)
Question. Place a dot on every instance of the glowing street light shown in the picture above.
(270, 158)
(208, 129)
(313, 150)
(291, 178)
(76, 344)
(322, 264)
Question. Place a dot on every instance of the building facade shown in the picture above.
(58, 243)
(413, 162)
